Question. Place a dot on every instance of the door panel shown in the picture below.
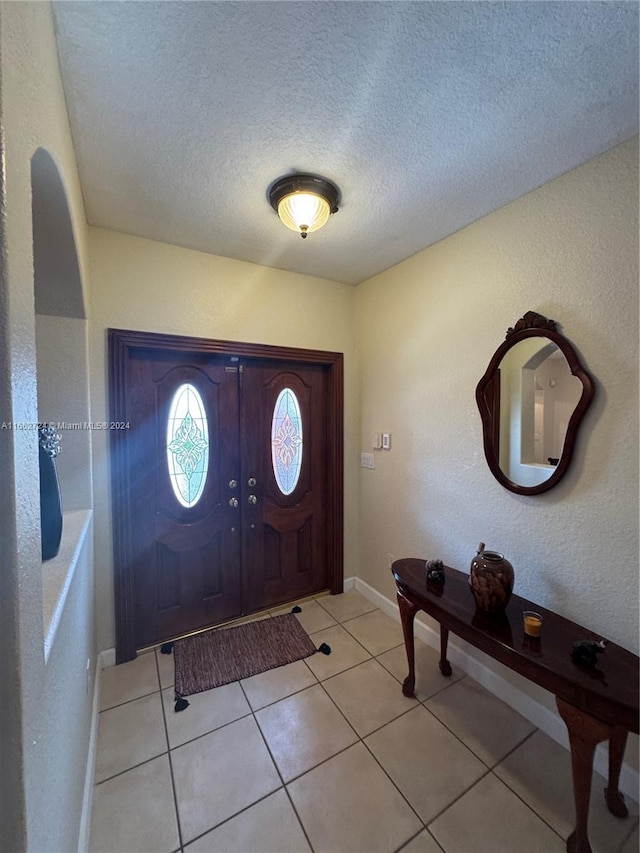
(284, 535)
(186, 560)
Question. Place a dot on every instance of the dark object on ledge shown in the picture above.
(585, 652)
(435, 571)
(50, 500)
(553, 460)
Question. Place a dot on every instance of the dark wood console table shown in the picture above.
(596, 704)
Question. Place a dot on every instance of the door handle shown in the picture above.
(233, 502)
(253, 499)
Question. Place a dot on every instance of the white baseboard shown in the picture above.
(542, 717)
(348, 583)
(87, 797)
(107, 658)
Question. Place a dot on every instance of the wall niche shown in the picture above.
(62, 372)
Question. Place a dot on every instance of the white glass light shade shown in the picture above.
(303, 212)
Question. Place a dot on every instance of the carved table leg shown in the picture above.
(407, 614)
(445, 666)
(585, 732)
(614, 799)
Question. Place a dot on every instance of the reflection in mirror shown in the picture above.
(532, 399)
(538, 395)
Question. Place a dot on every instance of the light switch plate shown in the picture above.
(366, 460)
(386, 441)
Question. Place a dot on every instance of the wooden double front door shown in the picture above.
(227, 481)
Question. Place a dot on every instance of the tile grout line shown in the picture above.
(342, 621)
(529, 806)
(234, 815)
(335, 674)
(140, 763)
(166, 734)
(514, 792)
(252, 713)
(489, 769)
(362, 741)
(413, 838)
(128, 701)
(133, 767)
(404, 713)
(210, 731)
(634, 826)
(366, 746)
(457, 737)
(343, 624)
(359, 739)
(490, 772)
(275, 764)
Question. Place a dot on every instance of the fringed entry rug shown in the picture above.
(224, 655)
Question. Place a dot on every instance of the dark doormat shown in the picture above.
(224, 655)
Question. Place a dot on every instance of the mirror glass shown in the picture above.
(538, 395)
(532, 399)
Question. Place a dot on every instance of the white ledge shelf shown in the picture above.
(57, 574)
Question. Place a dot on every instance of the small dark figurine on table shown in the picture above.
(435, 571)
(585, 652)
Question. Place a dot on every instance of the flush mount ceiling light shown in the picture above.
(304, 203)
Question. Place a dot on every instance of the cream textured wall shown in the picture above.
(426, 331)
(63, 397)
(145, 285)
(45, 710)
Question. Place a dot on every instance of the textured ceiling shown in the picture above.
(427, 115)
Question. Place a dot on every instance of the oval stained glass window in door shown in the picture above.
(286, 441)
(187, 445)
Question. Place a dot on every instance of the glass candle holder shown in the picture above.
(532, 623)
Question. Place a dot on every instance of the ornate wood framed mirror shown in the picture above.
(532, 399)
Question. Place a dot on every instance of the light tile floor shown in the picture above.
(327, 755)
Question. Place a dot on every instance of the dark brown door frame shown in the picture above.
(120, 342)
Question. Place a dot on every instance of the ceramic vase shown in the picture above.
(50, 500)
(491, 580)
